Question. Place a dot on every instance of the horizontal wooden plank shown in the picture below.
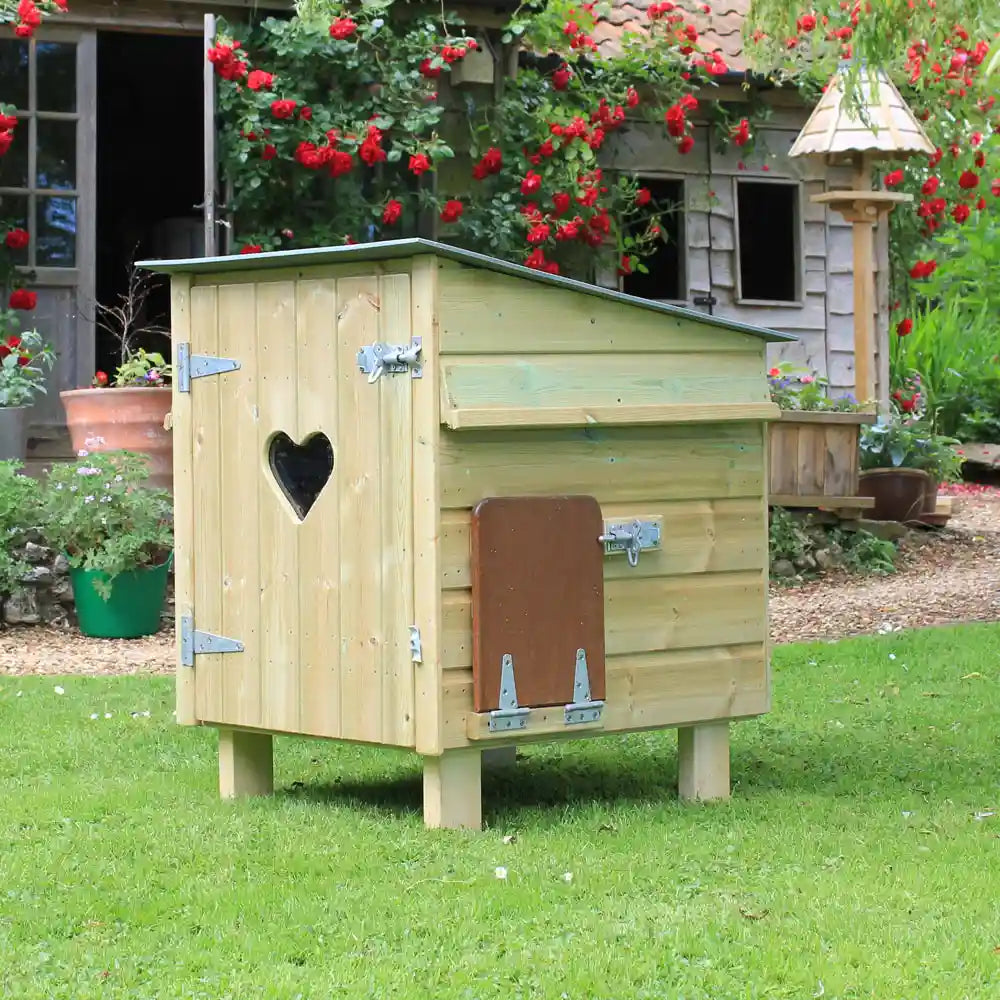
(826, 417)
(708, 536)
(487, 313)
(613, 464)
(829, 503)
(646, 614)
(541, 722)
(647, 691)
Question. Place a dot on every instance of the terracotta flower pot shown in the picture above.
(13, 432)
(899, 493)
(124, 420)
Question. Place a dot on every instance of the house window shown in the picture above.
(38, 176)
(768, 221)
(666, 277)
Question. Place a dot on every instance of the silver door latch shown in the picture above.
(377, 360)
(630, 537)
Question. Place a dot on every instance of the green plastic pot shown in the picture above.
(132, 610)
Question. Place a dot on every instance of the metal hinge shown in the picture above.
(194, 642)
(509, 715)
(416, 650)
(377, 360)
(191, 366)
(630, 537)
(584, 708)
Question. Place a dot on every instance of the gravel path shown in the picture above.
(946, 576)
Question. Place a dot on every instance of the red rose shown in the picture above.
(893, 178)
(7, 122)
(419, 164)
(968, 180)
(676, 121)
(960, 213)
(371, 152)
(625, 267)
(283, 109)
(935, 158)
(305, 113)
(995, 188)
(100, 380)
(340, 162)
(904, 327)
(539, 233)
(342, 28)
(923, 269)
(531, 183)
(981, 203)
(685, 145)
(259, 80)
(806, 23)
(6, 138)
(632, 97)
(569, 231)
(10, 345)
(431, 72)
(643, 196)
(561, 77)
(17, 239)
(452, 211)
(21, 298)
(561, 200)
(392, 211)
(536, 260)
(269, 152)
(252, 248)
(930, 185)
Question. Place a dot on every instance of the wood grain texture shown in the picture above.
(813, 457)
(453, 798)
(246, 764)
(703, 762)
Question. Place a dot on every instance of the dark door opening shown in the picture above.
(149, 169)
(665, 277)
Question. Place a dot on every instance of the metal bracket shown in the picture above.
(509, 715)
(416, 650)
(194, 642)
(377, 360)
(583, 709)
(630, 537)
(191, 366)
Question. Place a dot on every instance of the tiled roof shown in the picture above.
(721, 30)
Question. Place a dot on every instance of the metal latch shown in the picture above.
(584, 708)
(416, 650)
(191, 366)
(509, 715)
(194, 642)
(377, 360)
(630, 537)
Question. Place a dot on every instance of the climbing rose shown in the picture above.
(643, 196)
(894, 178)
(686, 144)
(371, 151)
(29, 18)
(340, 162)
(283, 109)
(490, 163)
(431, 72)
(21, 298)
(531, 183)
(305, 113)
(968, 180)
(806, 23)
(539, 233)
(7, 122)
(342, 28)
(17, 239)
(100, 379)
(561, 77)
(269, 152)
(252, 248)
(6, 138)
(392, 211)
(259, 80)
(419, 163)
(904, 327)
(923, 269)
(632, 97)
(930, 185)
(452, 211)
(561, 201)
(960, 213)
(625, 267)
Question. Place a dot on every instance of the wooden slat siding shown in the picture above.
(616, 465)
(277, 394)
(396, 498)
(646, 614)
(305, 272)
(184, 499)
(426, 435)
(650, 690)
(840, 465)
(241, 490)
(815, 454)
(319, 535)
(359, 470)
(472, 322)
(698, 537)
(811, 459)
(208, 513)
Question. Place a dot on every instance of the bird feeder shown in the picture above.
(877, 127)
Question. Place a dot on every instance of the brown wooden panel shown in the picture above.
(537, 594)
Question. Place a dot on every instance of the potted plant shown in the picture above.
(902, 460)
(25, 362)
(117, 533)
(814, 446)
(130, 410)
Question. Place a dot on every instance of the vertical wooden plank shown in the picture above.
(784, 446)
(319, 534)
(811, 460)
(210, 164)
(246, 764)
(277, 398)
(86, 208)
(358, 479)
(180, 320)
(241, 473)
(209, 514)
(396, 497)
(453, 796)
(426, 436)
(841, 460)
(864, 312)
(703, 761)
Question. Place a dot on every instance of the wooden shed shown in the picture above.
(429, 499)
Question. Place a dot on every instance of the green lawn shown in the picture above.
(853, 861)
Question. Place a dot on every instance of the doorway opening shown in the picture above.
(150, 150)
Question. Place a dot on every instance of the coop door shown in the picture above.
(303, 508)
(537, 600)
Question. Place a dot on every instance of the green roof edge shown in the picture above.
(396, 249)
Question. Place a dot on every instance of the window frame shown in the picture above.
(798, 241)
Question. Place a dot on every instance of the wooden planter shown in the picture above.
(814, 459)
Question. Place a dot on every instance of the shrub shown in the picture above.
(19, 517)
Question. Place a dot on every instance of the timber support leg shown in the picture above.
(246, 763)
(496, 758)
(703, 761)
(453, 790)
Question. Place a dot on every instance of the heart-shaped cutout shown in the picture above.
(301, 470)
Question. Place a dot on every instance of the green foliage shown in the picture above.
(25, 362)
(100, 511)
(895, 442)
(787, 538)
(800, 389)
(19, 517)
(143, 368)
(864, 552)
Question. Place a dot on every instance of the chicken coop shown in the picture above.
(429, 499)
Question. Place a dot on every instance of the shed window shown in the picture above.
(768, 221)
(665, 265)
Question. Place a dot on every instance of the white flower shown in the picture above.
(892, 656)
(73, 488)
(107, 715)
(105, 499)
(59, 486)
(567, 876)
(19, 693)
(500, 872)
(93, 715)
(89, 499)
(82, 453)
(87, 470)
(118, 479)
(59, 690)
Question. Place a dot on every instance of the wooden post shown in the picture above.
(453, 791)
(246, 763)
(864, 308)
(703, 761)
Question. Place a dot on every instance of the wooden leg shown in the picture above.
(246, 763)
(496, 758)
(703, 761)
(453, 796)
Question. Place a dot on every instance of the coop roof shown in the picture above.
(396, 249)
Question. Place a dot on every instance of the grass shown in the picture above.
(853, 861)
